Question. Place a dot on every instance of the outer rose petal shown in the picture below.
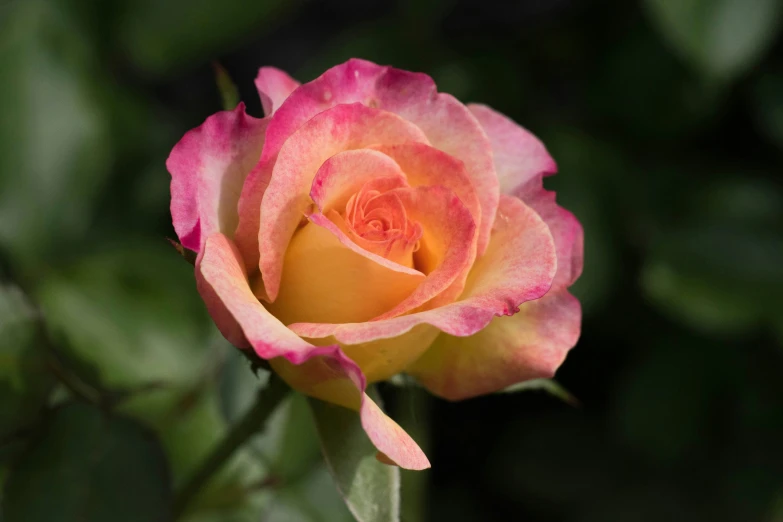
(566, 230)
(518, 155)
(530, 344)
(521, 162)
(519, 266)
(208, 167)
(286, 199)
(328, 374)
(273, 86)
(447, 123)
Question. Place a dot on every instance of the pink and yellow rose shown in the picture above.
(369, 225)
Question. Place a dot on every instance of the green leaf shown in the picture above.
(723, 38)
(90, 467)
(25, 382)
(721, 278)
(53, 132)
(132, 313)
(226, 86)
(161, 37)
(549, 386)
(370, 489)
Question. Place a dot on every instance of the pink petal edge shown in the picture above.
(274, 86)
(223, 272)
(208, 168)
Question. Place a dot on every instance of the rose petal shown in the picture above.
(324, 281)
(519, 266)
(521, 162)
(345, 173)
(566, 231)
(448, 244)
(518, 155)
(447, 123)
(208, 167)
(424, 165)
(286, 199)
(274, 86)
(530, 344)
(323, 372)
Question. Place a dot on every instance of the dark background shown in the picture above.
(666, 120)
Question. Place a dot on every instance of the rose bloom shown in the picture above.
(369, 225)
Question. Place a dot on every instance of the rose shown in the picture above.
(369, 225)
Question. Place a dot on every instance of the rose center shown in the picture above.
(378, 222)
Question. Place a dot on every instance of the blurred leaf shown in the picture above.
(189, 425)
(92, 467)
(25, 382)
(54, 154)
(767, 98)
(311, 499)
(370, 489)
(718, 278)
(692, 372)
(160, 37)
(132, 312)
(549, 386)
(228, 90)
(723, 38)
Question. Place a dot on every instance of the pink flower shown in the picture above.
(369, 225)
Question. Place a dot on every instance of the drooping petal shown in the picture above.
(447, 123)
(320, 371)
(274, 86)
(530, 344)
(325, 281)
(208, 167)
(286, 199)
(518, 155)
(518, 266)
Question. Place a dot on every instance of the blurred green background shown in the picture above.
(666, 119)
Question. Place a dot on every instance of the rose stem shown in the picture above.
(251, 423)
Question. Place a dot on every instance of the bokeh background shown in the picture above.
(666, 120)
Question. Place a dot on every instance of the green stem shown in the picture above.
(251, 423)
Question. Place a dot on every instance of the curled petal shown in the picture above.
(320, 371)
(530, 344)
(518, 155)
(447, 123)
(325, 281)
(347, 172)
(208, 167)
(518, 266)
(448, 243)
(274, 86)
(286, 199)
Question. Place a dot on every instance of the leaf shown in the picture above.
(723, 38)
(25, 382)
(226, 86)
(549, 386)
(54, 154)
(133, 314)
(91, 467)
(161, 37)
(370, 489)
